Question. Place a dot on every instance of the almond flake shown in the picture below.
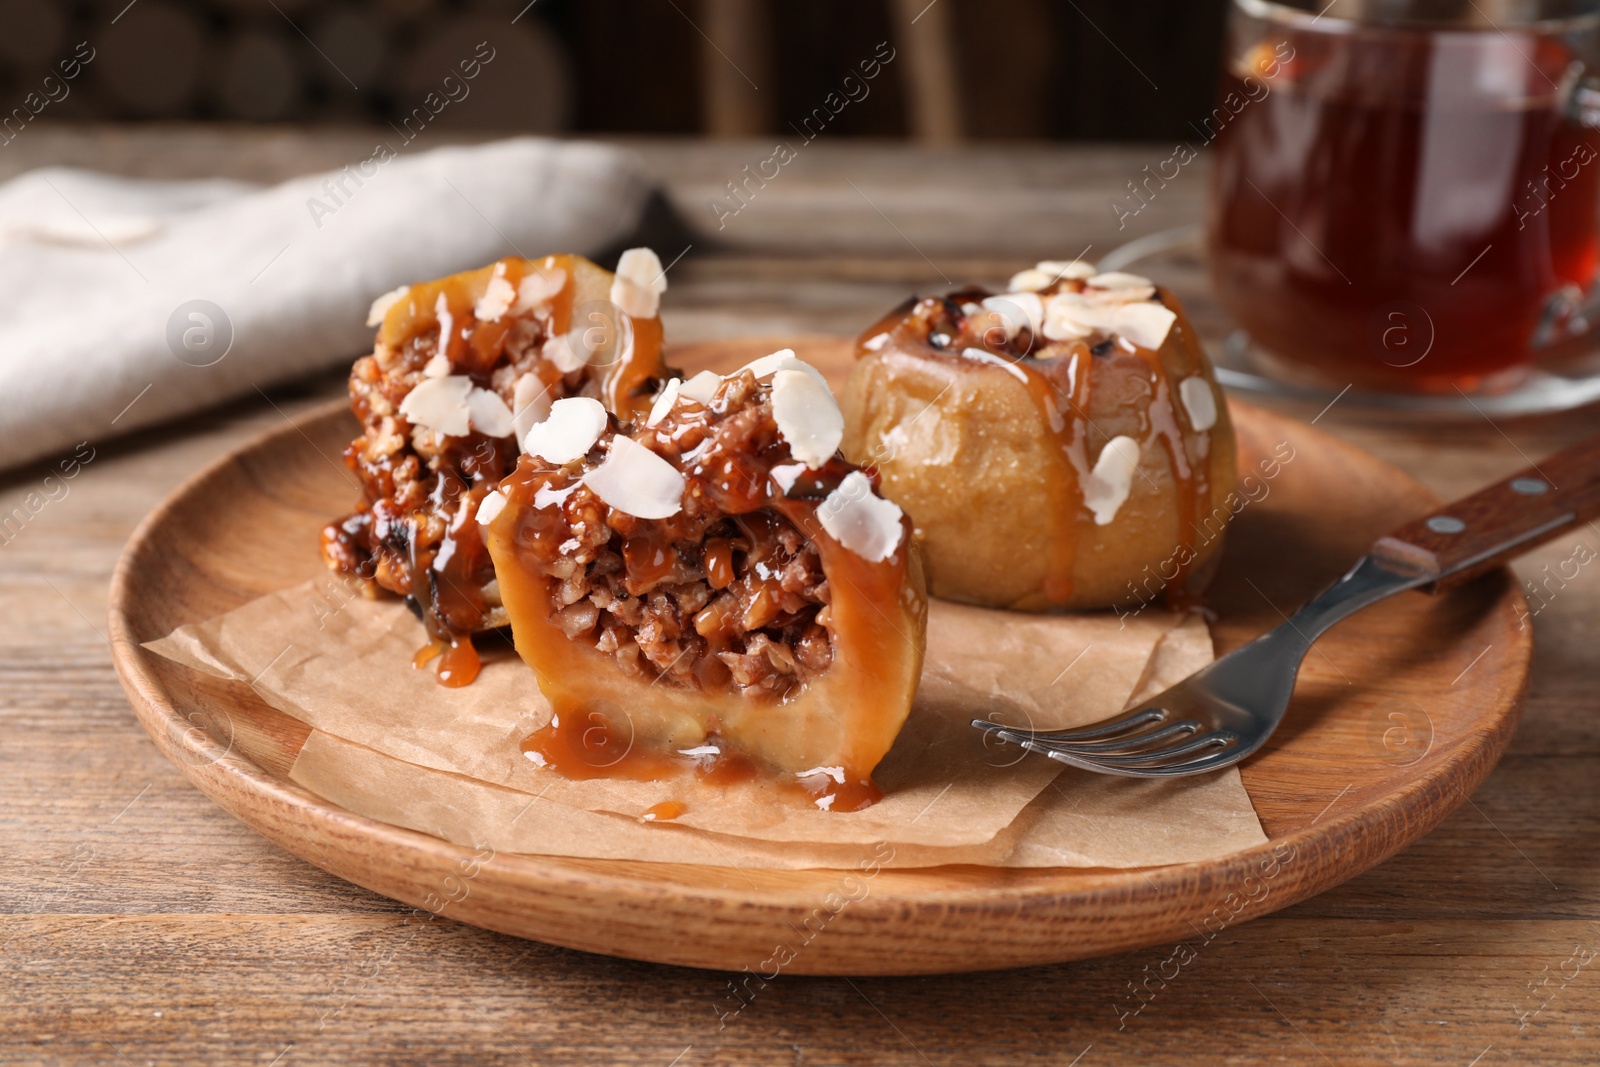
(530, 404)
(437, 367)
(538, 287)
(569, 351)
(664, 402)
(1200, 401)
(636, 481)
(572, 428)
(633, 299)
(496, 299)
(1119, 280)
(492, 505)
(489, 414)
(440, 404)
(642, 267)
(380, 307)
(1030, 281)
(1146, 325)
(861, 521)
(702, 387)
(1077, 270)
(1106, 488)
(1110, 297)
(784, 475)
(782, 359)
(1061, 327)
(808, 417)
(1016, 310)
(767, 366)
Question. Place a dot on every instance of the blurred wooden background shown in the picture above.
(1104, 70)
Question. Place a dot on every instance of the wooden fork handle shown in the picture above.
(1477, 533)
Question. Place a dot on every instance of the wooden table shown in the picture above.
(144, 926)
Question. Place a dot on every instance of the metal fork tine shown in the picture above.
(1123, 745)
(1237, 701)
(1227, 757)
(1217, 739)
(1124, 724)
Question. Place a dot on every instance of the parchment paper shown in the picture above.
(392, 744)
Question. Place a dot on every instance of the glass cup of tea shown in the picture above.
(1406, 193)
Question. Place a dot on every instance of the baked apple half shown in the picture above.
(461, 368)
(1062, 445)
(711, 583)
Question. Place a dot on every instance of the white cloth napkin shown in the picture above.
(101, 275)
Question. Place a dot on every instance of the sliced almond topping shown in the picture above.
(530, 404)
(664, 402)
(1108, 297)
(572, 428)
(861, 521)
(1077, 270)
(1106, 488)
(538, 287)
(440, 404)
(767, 366)
(488, 413)
(437, 367)
(492, 505)
(642, 267)
(1200, 401)
(1030, 281)
(634, 299)
(702, 387)
(808, 417)
(1146, 325)
(636, 481)
(569, 351)
(784, 475)
(1069, 316)
(1119, 280)
(1016, 310)
(783, 359)
(380, 307)
(1060, 327)
(496, 299)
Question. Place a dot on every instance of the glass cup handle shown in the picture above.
(1583, 103)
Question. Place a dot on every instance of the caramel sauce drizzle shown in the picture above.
(586, 745)
(665, 811)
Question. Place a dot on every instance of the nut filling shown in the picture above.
(729, 592)
(425, 468)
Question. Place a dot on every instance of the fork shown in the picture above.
(1225, 712)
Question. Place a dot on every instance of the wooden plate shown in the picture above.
(1400, 713)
